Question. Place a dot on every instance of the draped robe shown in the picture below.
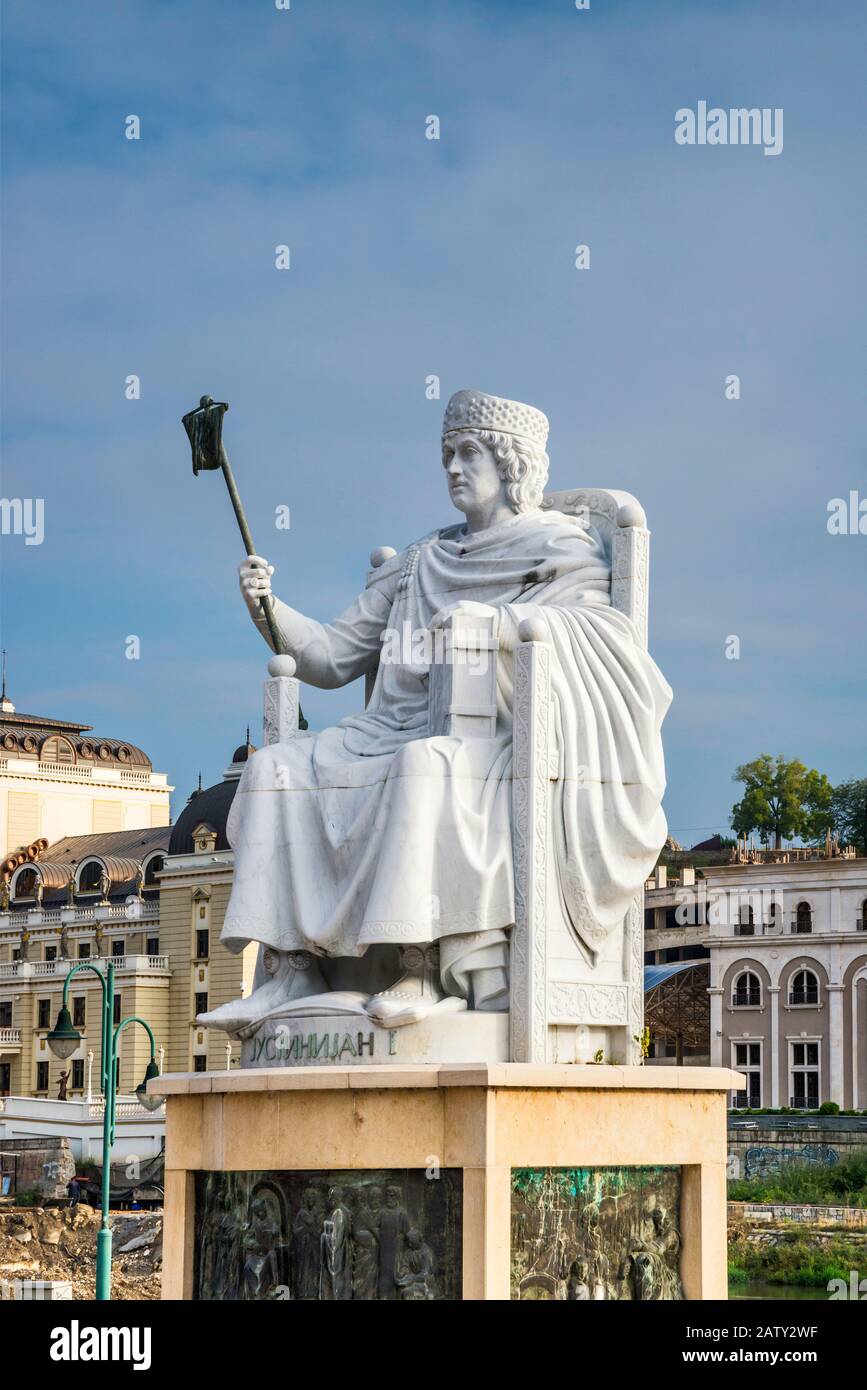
(373, 832)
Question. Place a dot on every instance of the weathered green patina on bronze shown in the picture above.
(589, 1234)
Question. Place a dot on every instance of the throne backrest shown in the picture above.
(620, 522)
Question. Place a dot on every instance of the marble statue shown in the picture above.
(374, 860)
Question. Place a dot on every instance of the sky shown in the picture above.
(409, 258)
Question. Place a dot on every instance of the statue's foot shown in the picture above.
(294, 975)
(417, 994)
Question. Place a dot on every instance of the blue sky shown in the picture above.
(413, 257)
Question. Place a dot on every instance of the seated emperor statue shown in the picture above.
(373, 861)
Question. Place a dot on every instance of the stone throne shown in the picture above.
(561, 1009)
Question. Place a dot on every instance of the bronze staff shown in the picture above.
(204, 427)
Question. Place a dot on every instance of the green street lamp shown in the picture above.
(63, 1041)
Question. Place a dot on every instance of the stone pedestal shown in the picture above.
(449, 1181)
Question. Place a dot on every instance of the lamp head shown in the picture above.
(64, 1037)
(142, 1094)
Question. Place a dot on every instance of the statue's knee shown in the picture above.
(414, 759)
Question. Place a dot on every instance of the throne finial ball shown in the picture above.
(281, 666)
(630, 514)
(533, 630)
(378, 557)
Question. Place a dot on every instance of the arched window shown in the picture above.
(88, 878)
(57, 750)
(154, 867)
(25, 884)
(803, 923)
(775, 917)
(804, 988)
(747, 991)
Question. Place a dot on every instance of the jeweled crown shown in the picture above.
(476, 410)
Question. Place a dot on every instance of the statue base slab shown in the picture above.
(290, 1040)
(446, 1182)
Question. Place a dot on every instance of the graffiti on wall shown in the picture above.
(770, 1158)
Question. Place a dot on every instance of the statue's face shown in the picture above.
(472, 473)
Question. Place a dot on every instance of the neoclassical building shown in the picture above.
(788, 978)
(58, 778)
(152, 900)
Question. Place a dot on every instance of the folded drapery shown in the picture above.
(371, 832)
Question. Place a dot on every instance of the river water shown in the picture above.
(759, 1291)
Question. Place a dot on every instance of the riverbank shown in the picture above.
(793, 1251)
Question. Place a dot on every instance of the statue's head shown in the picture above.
(494, 448)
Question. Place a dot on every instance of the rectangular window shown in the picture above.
(203, 944)
(43, 1013)
(748, 1058)
(117, 948)
(200, 1063)
(42, 1076)
(79, 1007)
(805, 1075)
(117, 1013)
(153, 947)
(6, 1014)
(84, 950)
(78, 1074)
(201, 1003)
(51, 953)
(16, 952)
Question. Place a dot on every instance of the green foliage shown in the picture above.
(829, 1107)
(799, 1258)
(838, 1184)
(849, 812)
(29, 1197)
(782, 799)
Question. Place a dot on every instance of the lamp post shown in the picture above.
(63, 1041)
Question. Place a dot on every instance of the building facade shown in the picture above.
(783, 936)
(195, 883)
(153, 900)
(59, 779)
(788, 979)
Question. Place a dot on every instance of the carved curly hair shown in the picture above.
(520, 462)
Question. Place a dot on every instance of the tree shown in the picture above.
(849, 810)
(782, 798)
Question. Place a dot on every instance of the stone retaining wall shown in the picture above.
(760, 1144)
(753, 1213)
